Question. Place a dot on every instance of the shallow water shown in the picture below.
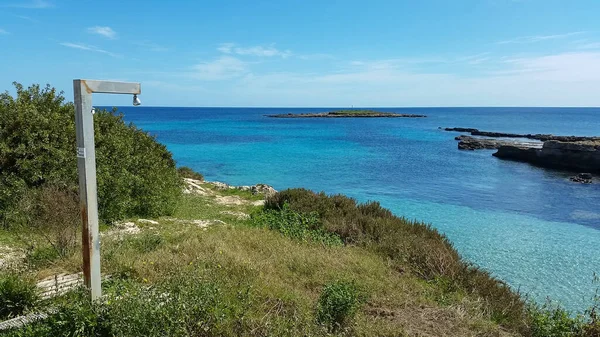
(529, 226)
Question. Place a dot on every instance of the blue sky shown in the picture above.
(311, 53)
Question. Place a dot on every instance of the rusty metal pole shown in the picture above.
(86, 166)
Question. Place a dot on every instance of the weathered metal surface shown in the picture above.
(109, 87)
(86, 166)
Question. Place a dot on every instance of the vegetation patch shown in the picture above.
(338, 303)
(296, 225)
(187, 172)
(408, 245)
(136, 174)
(17, 294)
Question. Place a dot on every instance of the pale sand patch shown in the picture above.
(230, 200)
(9, 256)
(238, 215)
(125, 228)
(200, 223)
(152, 222)
(259, 203)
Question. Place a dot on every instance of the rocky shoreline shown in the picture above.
(194, 186)
(573, 156)
(538, 136)
(472, 143)
(571, 153)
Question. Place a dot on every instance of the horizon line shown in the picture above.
(363, 107)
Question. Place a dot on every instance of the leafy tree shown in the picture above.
(136, 174)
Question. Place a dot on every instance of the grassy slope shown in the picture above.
(285, 276)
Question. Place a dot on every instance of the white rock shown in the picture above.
(230, 200)
(193, 186)
(259, 203)
(238, 215)
(152, 222)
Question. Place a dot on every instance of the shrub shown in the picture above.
(407, 244)
(338, 304)
(17, 294)
(136, 175)
(57, 218)
(186, 172)
(49, 222)
(296, 225)
(550, 320)
(38, 256)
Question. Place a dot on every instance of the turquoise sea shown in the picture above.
(528, 226)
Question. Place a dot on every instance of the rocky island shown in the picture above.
(347, 114)
(573, 153)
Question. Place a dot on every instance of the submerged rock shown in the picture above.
(583, 178)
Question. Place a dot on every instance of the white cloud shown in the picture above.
(260, 51)
(568, 79)
(3, 32)
(226, 48)
(30, 19)
(563, 79)
(475, 59)
(105, 31)
(35, 4)
(559, 68)
(86, 47)
(539, 38)
(225, 67)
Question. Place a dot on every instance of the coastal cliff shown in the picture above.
(574, 153)
(582, 156)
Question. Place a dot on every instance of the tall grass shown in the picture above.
(409, 246)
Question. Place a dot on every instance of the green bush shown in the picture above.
(407, 245)
(38, 256)
(17, 294)
(296, 225)
(136, 175)
(551, 320)
(338, 304)
(186, 172)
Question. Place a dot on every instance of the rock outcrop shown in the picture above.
(192, 186)
(583, 178)
(472, 143)
(542, 137)
(580, 156)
